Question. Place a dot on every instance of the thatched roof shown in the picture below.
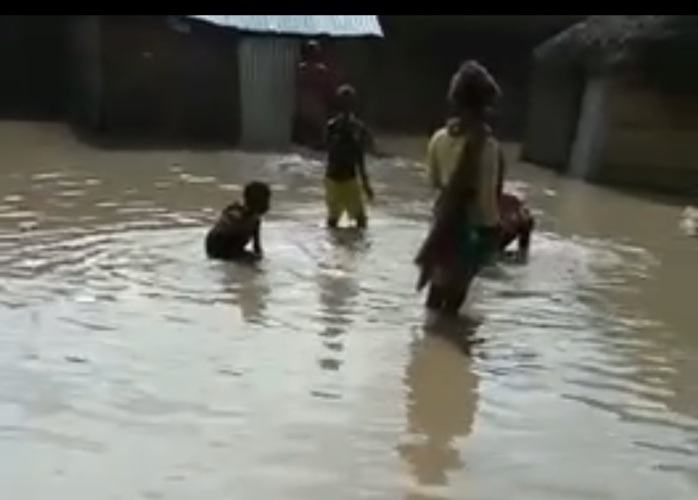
(608, 42)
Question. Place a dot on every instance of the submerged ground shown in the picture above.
(131, 367)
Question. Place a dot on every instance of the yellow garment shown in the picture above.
(443, 153)
(344, 196)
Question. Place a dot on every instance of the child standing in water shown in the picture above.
(346, 179)
(464, 232)
(240, 224)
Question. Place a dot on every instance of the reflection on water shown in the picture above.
(132, 367)
(338, 289)
(441, 404)
(247, 284)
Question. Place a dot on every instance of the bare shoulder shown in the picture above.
(438, 136)
(440, 133)
(492, 143)
(332, 124)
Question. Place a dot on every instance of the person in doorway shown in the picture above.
(346, 180)
(238, 225)
(315, 87)
(464, 232)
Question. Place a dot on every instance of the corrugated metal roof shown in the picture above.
(301, 25)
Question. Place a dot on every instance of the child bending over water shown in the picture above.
(517, 224)
(345, 175)
(238, 225)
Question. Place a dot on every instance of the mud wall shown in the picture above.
(652, 138)
(553, 107)
(85, 90)
(163, 83)
(35, 63)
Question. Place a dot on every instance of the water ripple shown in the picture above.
(311, 375)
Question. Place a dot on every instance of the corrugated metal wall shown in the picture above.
(267, 88)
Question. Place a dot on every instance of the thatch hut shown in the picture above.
(615, 99)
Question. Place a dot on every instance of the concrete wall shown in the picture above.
(553, 107)
(652, 138)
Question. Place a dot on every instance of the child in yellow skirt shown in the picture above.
(346, 180)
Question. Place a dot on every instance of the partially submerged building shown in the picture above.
(267, 56)
(227, 79)
(174, 79)
(167, 79)
(615, 99)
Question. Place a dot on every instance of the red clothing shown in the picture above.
(315, 89)
(516, 222)
(512, 212)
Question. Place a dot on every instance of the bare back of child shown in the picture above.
(238, 225)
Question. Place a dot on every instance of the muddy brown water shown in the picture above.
(132, 367)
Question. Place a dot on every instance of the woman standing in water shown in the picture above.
(464, 233)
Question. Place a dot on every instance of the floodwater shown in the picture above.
(132, 367)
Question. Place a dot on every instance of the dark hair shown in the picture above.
(472, 89)
(256, 191)
(310, 47)
(346, 97)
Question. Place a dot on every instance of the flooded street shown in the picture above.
(132, 367)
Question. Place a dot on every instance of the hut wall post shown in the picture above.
(590, 138)
(267, 90)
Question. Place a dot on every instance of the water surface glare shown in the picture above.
(132, 367)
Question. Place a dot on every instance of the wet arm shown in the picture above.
(433, 165)
(524, 241)
(364, 174)
(489, 195)
(502, 170)
(362, 161)
(257, 239)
